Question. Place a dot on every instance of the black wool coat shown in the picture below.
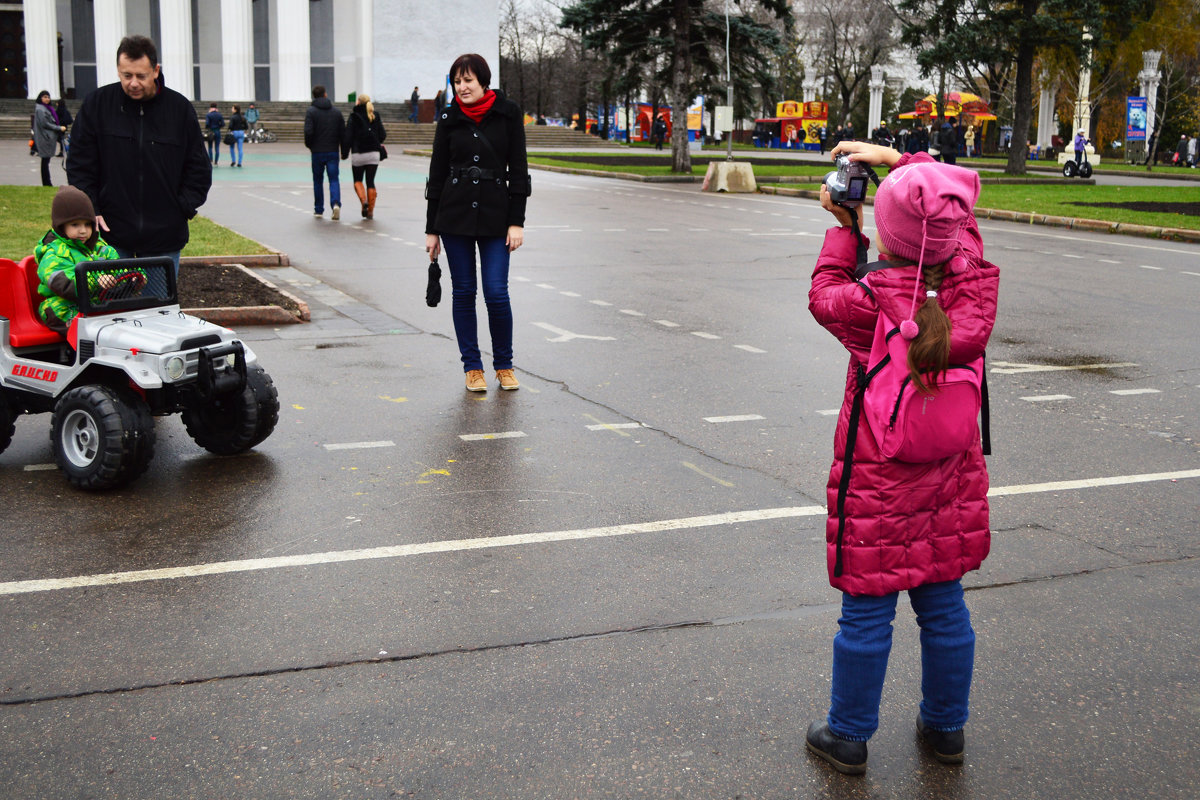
(478, 176)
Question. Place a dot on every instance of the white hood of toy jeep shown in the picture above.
(153, 331)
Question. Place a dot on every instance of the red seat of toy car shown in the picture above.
(19, 300)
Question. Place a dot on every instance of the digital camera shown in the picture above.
(848, 183)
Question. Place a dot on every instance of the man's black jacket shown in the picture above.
(324, 127)
(486, 200)
(143, 164)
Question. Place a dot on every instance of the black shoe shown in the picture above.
(847, 757)
(947, 746)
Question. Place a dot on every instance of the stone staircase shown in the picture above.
(286, 120)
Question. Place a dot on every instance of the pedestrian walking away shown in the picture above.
(237, 129)
(476, 195)
(324, 129)
(414, 115)
(895, 526)
(144, 193)
(46, 132)
(364, 145)
(64, 119)
(213, 123)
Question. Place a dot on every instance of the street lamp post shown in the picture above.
(728, 88)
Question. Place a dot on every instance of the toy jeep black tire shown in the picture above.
(102, 438)
(232, 423)
(7, 426)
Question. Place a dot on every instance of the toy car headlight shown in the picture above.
(231, 360)
(175, 367)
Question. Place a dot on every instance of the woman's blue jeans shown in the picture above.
(213, 145)
(493, 268)
(860, 656)
(239, 137)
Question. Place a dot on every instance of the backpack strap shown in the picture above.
(862, 380)
(985, 423)
(862, 270)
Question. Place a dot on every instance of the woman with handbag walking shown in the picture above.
(46, 130)
(477, 190)
(364, 144)
(236, 137)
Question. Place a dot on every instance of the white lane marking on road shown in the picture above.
(705, 335)
(1108, 261)
(566, 336)
(483, 437)
(795, 233)
(614, 230)
(1125, 392)
(1147, 266)
(359, 445)
(657, 230)
(749, 348)
(543, 286)
(1046, 398)
(829, 412)
(735, 418)
(1193, 274)
(1069, 255)
(666, 323)
(521, 278)
(40, 467)
(612, 426)
(457, 545)
(577, 294)
(631, 312)
(1013, 368)
(599, 303)
(708, 475)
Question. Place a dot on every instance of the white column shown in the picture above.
(110, 30)
(366, 46)
(1149, 78)
(811, 87)
(1083, 106)
(291, 67)
(875, 108)
(175, 49)
(237, 51)
(1045, 125)
(41, 48)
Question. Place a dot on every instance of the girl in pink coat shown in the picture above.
(904, 527)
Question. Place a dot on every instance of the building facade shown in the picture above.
(249, 50)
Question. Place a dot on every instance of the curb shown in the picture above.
(231, 316)
(274, 259)
(1073, 223)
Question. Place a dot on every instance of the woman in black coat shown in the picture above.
(364, 145)
(477, 189)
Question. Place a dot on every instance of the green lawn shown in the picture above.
(1064, 201)
(26, 214)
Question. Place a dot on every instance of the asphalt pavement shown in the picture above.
(610, 583)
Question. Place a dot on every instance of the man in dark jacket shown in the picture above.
(137, 152)
(324, 128)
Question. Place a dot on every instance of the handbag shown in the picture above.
(229, 138)
(382, 152)
(433, 291)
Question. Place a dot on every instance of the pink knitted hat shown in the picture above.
(920, 210)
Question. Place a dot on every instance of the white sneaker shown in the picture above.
(337, 212)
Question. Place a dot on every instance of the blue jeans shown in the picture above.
(860, 656)
(214, 145)
(322, 164)
(125, 252)
(493, 260)
(239, 139)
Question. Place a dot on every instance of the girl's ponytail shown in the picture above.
(929, 352)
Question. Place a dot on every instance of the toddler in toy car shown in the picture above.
(72, 239)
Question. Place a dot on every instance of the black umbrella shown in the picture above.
(433, 292)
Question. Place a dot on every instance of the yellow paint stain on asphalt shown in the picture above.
(429, 473)
(298, 408)
(711, 477)
(393, 399)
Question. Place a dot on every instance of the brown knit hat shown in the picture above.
(71, 204)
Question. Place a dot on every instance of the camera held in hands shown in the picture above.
(848, 183)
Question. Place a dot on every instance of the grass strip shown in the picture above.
(26, 214)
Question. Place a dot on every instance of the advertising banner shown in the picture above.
(1135, 119)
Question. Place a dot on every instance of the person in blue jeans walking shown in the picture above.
(237, 127)
(324, 128)
(477, 190)
(895, 526)
(213, 123)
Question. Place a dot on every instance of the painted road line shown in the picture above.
(829, 412)
(458, 545)
(1126, 392)
(543, 286)
(480, 437)
(658, 230)
(666, 323)
(571, 294)
(705, 335)
(1147, 266)
(566, 336)
(1046, 398)
(1193, 274)
(40, 467)
(1108, 261)
(614, 230)
(748, 348)
(708, 475)
(631, 312)
(1012, 368)
(600, 302)
(735, 418)
(359, 445)
(1069, 255)
(613, 426)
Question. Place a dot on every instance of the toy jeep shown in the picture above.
(129, 356)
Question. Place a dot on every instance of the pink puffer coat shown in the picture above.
(906, 524)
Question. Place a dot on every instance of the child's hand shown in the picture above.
(867, 153)
(107, 281)
(841, 213)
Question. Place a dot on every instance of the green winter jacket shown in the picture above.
(56, 259)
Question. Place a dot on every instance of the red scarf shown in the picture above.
(477, 110)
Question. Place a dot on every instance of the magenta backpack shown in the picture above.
(908, 424)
